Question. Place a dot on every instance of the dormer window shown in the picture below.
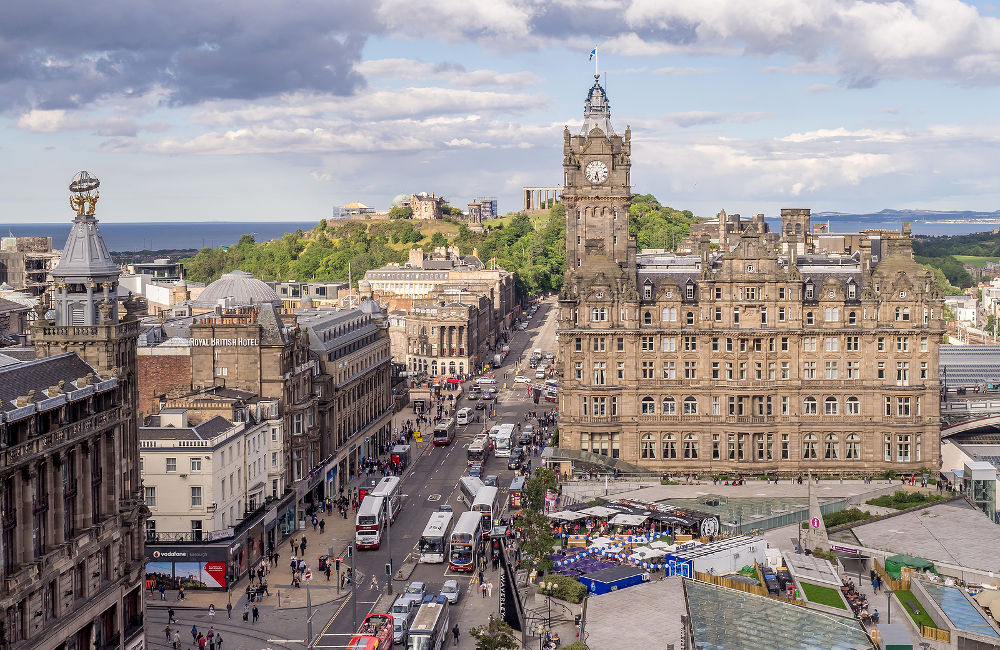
(809, 291)
(647, 290)
(690, 291)
(852, 291)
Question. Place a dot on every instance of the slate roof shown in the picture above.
(205, 431)
(10, 305)
(16, 380)
(21, 354)
(85, 254)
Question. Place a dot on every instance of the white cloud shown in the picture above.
(698, 118)
(58, 120)
(453, 73)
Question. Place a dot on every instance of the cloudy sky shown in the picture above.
(247, 110)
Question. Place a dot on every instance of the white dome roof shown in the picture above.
(240, 287)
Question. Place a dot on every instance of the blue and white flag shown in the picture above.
(593, 53)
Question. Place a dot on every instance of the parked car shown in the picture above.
(491, 480)
(450, 591)
(515, 460)
(522, 379)
(416, 588)
(539, 374)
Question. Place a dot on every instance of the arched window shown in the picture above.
(669, 406)
(647, 405)
(906, 313)
(853, 447)
(852, 318)
(690, 445)
(809, 446)
(830, 406)
(690, 405)
(647, 446)
(689, 318)
(647, 318)
(853, 406)
(831, 447)
(669, 446)
(809, 406)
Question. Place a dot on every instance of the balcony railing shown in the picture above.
(44, 443)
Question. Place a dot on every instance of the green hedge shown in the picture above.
(901, 500)
(844, 517)
(569, 589)
(576, 645)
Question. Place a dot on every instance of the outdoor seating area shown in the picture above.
(857, 601)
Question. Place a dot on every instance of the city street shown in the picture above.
(431, 481)
(434, 482)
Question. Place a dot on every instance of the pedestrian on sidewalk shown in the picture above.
(177, 639)
(489, 589)
(163, 591)
(180, 593)
(167, 631)
(482, 589)
(322, 525)
(303, 545)
(194, 633)
(229, 609)
(170, 615)
(218, 641)
(374, 585)
(454, 632)
(211, 613)
(246, 612)
(256, 614)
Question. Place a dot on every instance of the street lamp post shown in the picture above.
(888, 609)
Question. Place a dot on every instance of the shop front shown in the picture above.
(202, 566)
(279, 523)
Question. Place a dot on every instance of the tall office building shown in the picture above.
(759, 353)
(71, 543)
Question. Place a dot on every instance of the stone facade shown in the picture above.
(72, 543)
(446, 336)
(426, 206)
(759, 355)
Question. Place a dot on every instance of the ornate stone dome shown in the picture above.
(240, 287)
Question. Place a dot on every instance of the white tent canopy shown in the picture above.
(598, 511)
(627, 520)
(566, 515)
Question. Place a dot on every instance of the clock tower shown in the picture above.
(597, 193)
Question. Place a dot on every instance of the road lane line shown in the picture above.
(332, 618)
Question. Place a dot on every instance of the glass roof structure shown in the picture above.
(726, 619)
(958, 609)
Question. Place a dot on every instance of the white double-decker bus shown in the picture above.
(389, 489)
(489, 505)
(433, 545)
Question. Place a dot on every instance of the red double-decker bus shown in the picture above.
(375, 632)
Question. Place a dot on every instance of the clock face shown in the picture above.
(597, 171)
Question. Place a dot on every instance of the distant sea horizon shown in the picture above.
(163, 235)
(174, 235)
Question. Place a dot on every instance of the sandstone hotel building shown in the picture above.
(753, 352)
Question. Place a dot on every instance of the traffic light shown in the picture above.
(388, 568)
(350, 551)
(337, 564)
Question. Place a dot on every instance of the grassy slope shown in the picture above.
(975, 260)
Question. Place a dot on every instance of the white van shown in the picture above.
(465, 415)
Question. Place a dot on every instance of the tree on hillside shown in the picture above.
(399, 212)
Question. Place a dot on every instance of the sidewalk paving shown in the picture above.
(338, 533)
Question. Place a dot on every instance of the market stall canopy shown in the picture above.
(627, 520)
(894, 563)
(597, 511)
(989, 599)
(566, 515)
